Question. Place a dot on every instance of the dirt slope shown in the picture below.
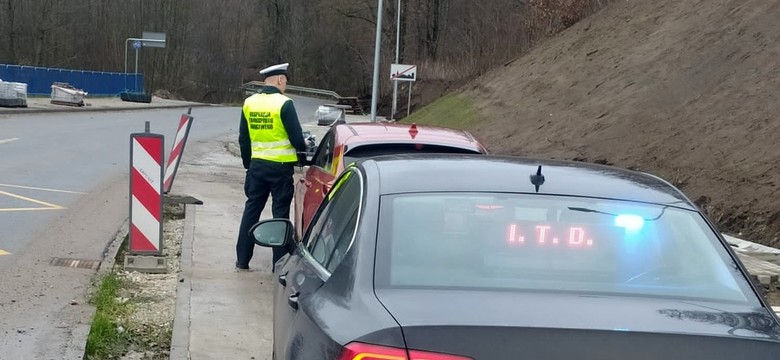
(687, 90)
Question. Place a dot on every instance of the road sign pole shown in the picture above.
(136, 69)
(397, 60)
(126, 40)
(409, 103)
(395, 99)
(375, 87)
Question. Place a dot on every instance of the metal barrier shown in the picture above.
(96, 83)
(253, 86)
(353, 102)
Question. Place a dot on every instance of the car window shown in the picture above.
(365, 151)
(324, 156)
(553, 243)
(343, 241)
(334, 228)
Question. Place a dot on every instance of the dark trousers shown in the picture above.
(264, 178)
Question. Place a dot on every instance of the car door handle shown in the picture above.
(292, 300)
(283, 279)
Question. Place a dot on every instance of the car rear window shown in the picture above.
(552, 243)
(372, 150)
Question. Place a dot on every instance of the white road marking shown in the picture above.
(48, 206)
(8, 140)
(42, 189)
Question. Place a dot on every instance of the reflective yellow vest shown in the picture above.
(266, 132)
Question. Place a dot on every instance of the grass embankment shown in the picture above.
(451, 110)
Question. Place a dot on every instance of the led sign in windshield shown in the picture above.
(547, 235)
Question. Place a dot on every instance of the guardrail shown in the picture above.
(352, 102)
(253, 86)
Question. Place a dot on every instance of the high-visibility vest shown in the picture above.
(263, 113)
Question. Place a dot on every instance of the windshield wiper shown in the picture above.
(581, 209)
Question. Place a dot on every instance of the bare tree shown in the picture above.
(213, 46)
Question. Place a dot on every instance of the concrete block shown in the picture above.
(146, 264)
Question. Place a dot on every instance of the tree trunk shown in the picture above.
(404, 23)
(11, 7)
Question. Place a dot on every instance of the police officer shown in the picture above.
(270, 138)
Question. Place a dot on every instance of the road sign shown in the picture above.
(176, 152)
(146, 205)
(136, 44)
(401, 72)
(160, 37)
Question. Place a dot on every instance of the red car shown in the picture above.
(345, 143)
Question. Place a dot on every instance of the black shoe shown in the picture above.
(241, 267)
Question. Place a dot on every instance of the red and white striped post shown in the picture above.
(146, 202)
(176, 151)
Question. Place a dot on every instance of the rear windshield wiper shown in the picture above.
(581, 209)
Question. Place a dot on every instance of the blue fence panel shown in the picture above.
(96, 83)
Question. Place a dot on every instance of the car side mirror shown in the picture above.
(273, 232)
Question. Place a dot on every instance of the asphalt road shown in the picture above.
(64, 194)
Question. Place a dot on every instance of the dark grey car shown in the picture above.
(445, 257)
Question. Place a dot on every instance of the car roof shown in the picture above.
(491, 173)
(361, 133)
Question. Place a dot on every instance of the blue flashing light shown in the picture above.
(630, 222)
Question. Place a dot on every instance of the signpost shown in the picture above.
(149, 39)
(146, 203)
(377, 43)
(174, 159)
(402, 72)
(153, 39)
(397, 59)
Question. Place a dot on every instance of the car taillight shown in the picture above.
(360, 351)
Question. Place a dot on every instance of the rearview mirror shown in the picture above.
(272, 232)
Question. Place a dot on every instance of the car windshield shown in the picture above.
(365, 151)
(552, 243)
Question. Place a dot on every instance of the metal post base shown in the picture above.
(146, 264)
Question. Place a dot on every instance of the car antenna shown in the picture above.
(537, 179)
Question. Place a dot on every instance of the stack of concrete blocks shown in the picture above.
(13, 94)
(65, 94)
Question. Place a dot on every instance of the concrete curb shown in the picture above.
(180, 338)
(99, 109)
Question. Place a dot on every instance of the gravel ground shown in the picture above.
(152, 297)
